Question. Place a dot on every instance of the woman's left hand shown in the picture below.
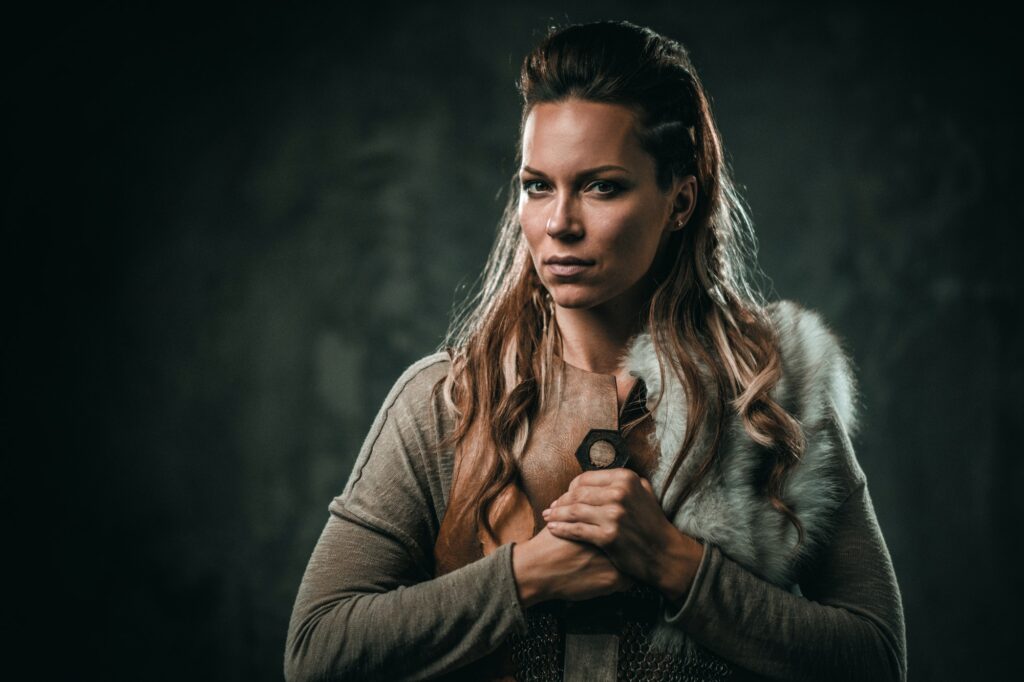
(616, 510)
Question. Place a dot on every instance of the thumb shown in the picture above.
(647, 486)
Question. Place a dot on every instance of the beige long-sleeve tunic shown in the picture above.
(369, 608)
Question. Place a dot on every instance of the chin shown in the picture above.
(572, 305)
(575, 299)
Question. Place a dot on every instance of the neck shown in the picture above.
(595, 339)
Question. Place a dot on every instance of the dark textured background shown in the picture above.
(228, 231)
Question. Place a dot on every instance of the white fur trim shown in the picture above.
(818, 388)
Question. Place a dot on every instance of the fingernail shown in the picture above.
(545, 513)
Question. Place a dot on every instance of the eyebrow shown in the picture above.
(581, 174)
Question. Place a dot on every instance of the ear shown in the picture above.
(684, 191)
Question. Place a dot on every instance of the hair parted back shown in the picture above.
(706, 316)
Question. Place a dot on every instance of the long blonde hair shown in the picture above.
(706, 304)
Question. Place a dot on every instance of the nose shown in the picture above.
(562, 221)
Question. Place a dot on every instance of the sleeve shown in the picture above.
(847, 625)
(368, 607)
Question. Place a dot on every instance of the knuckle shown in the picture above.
(607, 536)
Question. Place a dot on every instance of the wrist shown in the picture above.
(529, 581)
(678, 566)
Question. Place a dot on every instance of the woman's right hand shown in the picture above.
(548, 567)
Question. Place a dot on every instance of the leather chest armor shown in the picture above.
(598, 639)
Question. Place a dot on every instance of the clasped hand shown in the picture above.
(617, 511)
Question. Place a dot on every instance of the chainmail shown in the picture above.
(538, 655)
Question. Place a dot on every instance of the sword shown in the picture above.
(591, 626)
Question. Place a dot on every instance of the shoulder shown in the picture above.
(413, 408)
(818, 387)
(410, 416)
(818, 377)
(396, 484)
(399, 462)
(415, 384)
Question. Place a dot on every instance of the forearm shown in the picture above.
(848, 625)
(769, 631)
(405, 633)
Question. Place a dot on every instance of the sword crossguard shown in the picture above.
(610, 436)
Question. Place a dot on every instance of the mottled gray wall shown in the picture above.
(230, 232)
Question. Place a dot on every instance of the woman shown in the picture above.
(624, 464)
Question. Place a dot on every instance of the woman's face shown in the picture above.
(588, 192)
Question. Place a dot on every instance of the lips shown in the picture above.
(568, 260)
(567, 266)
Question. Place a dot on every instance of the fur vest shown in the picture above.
(818, 388)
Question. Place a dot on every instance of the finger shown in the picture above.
(603, 477)
(647, 486)
(593, 494)
(582, 532)
(569, 497)
(582, 513)
(619, 476)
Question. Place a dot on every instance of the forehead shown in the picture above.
(564, 136)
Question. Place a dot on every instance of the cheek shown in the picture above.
(525, 218)
(533, 229)
(632, 249)
(634, 237)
